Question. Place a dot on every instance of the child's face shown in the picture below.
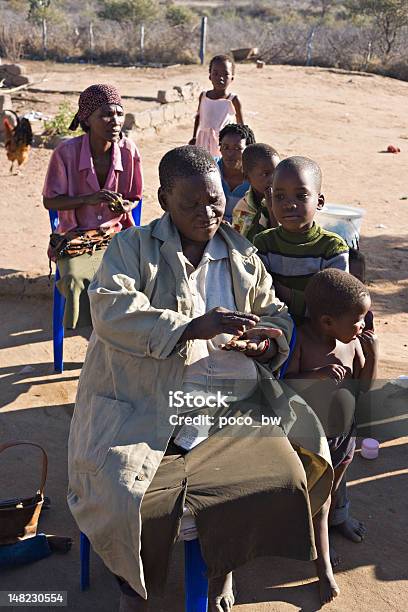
(196, 205)
(261, 176)
(349, 325)
(295, 199)
(221, 75)
(232, 146)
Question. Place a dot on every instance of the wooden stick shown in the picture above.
(12, 90)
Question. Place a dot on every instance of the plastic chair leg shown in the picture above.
(195, 579)
(84, 554)
(58, 326)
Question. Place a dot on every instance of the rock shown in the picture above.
(14, 69)
(169, 112)
(196, 89)
(129, 123)
(157, 117)
(142, 120)
(146, 134)
(185, 91)
(179, 111)
(20, 80)
(166, 96)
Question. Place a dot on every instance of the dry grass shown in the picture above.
(281, 35)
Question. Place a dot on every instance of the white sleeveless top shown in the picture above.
(214, 115)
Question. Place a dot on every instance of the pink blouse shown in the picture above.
(71, 172)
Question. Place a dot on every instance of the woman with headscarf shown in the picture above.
(93, 181)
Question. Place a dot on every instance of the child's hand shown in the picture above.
(369, 344)
(268, 198)
(369, 321)
(268, 201)
(335, 371)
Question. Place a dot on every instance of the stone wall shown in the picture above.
(176, 104)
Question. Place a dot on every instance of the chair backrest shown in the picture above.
(136, 214)
(53, 219)
(292, 343)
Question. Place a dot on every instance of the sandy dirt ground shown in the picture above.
(344, 121)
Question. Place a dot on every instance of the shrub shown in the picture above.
(179, 15)
(59, 124)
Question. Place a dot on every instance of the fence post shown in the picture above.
(203, 38)
(44, 36)
(142, 38)
(368, 56)
(91, 40)
(309, 46)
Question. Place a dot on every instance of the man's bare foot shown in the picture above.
(352, 529)
(221, 593)
(335, 558)
(327, 585)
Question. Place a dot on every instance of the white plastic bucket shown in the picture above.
(343, 220)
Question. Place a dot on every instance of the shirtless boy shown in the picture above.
(333, 347)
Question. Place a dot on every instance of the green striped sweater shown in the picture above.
(293, 258)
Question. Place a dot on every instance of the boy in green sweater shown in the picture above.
(299, 247)
(293, 253)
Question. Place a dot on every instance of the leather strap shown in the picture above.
(44, 462)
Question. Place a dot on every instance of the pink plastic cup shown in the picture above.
(370, 448)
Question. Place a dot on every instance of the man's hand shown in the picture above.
(219, 321)
(254, 341)
(369, 344)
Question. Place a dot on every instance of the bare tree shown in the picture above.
(320, 10)
(38, 13)
(389, 16)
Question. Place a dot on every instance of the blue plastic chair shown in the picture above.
(195, 569)
(59, 300)
(195, 579)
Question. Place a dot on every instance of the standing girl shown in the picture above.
(216, 108)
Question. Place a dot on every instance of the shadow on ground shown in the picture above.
(378, 493)
(387, 259)
(377, 490)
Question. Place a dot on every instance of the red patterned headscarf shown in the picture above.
(92, 98)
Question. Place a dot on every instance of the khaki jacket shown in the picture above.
(141, 304)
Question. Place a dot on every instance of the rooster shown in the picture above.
(18, 139)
